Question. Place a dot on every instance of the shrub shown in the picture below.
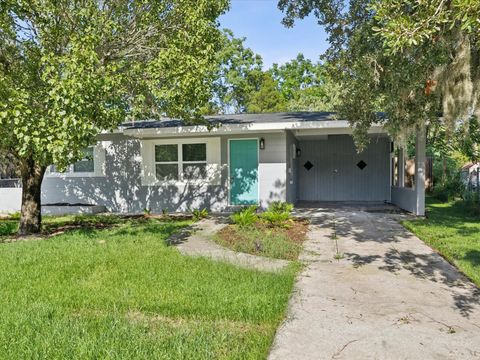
(450, 188)
(245, 217)
(280, 207)
(471, 199)
(199, 214)
(12, 216)
(276, 218)
(278, 214)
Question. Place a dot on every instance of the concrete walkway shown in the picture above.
(197, 242)
(389, 296)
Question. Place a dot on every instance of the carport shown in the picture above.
(324, 166)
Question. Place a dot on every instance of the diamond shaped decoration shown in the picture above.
(361, 164)
(308, 165)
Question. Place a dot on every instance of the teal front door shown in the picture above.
(243, 171)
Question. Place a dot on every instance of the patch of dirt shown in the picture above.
(294, 230)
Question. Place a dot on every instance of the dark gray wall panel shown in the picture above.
(335, 175)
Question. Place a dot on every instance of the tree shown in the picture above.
(305, 85)
(70, 69)
(267, 98)
(239, 74)
(412, 59)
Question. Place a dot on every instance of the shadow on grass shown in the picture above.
(473, 257)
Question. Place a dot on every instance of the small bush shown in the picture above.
(199, 214)
(277, 218)
(471, 200)
(280, 207)
(245, 217)
(278, 214)
(14, 216)
(450, 188)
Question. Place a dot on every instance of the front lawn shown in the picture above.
(454, 232)
(123, 293)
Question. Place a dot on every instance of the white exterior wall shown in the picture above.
(123, 187)
(10, 200)
(413, 199)
(292, 168)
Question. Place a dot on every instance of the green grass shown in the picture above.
(122, 293)
(275, 242)
(454, 232)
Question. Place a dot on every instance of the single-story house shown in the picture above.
(239, 160)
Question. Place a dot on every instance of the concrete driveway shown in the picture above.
(387, 296)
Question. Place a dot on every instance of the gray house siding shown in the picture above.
(121, 189)
(335, 175)
(292, 170)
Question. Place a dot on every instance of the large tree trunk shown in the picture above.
(31, 216)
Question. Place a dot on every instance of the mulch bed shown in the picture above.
(296, 232)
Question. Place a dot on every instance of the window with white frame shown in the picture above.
(84, 166)
(87, 164)
(184, 162)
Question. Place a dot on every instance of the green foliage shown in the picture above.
(199, 214)
(280, 219)
(410, 59)
(113, 294)
(296, 75)
(468, 138)
(15, 215)
(450, 188)
(239, 74)
(241, 84)
(245, 217)
(471, 200)
(280, 207)
(266, 98)
(278, 214)
(8, 227)
(68, 72)
(147, 211)
(305, 85)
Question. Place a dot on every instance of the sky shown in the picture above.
(260, 22)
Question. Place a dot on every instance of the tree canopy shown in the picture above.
(417, 61)
(71, 69)
(305, 85)
(239, 74)
(242, 85)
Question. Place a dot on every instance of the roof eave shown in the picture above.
(244, 128)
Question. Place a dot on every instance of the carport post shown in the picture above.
(420, 156)
(401, 167)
